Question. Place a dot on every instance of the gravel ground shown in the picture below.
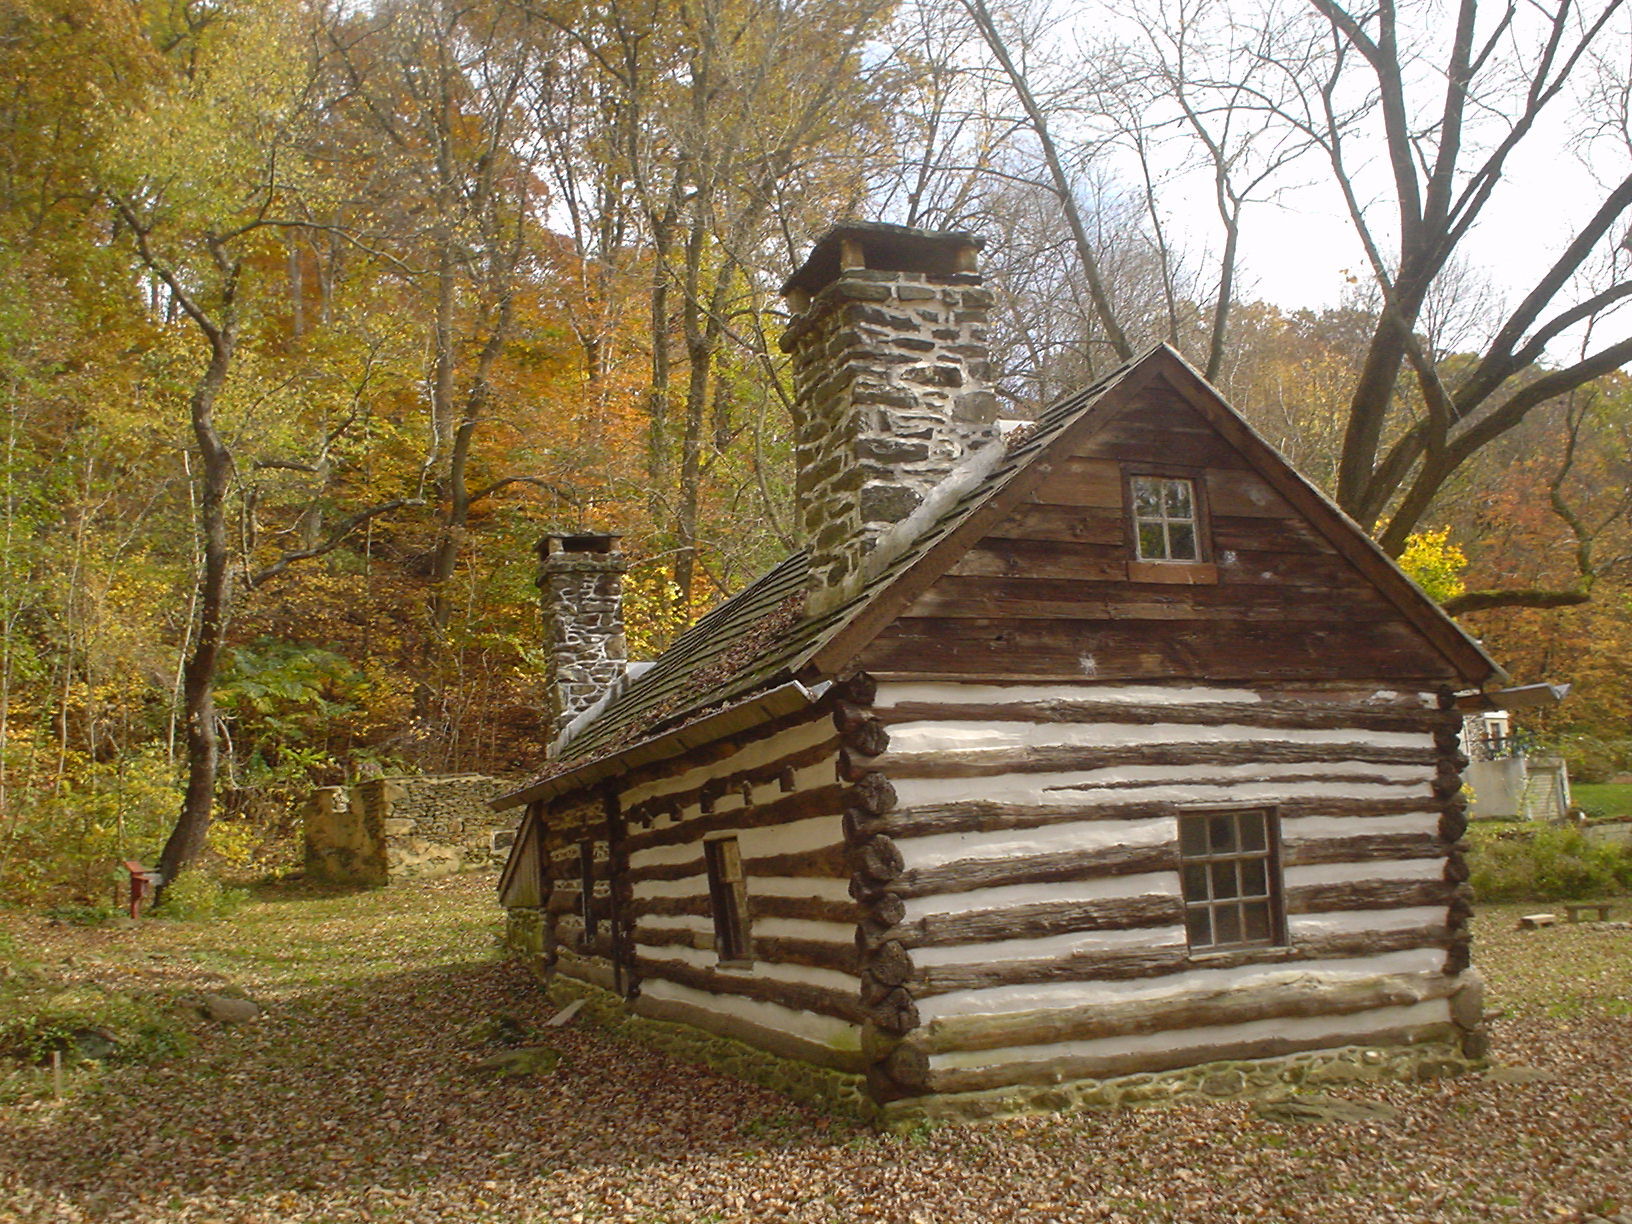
(354, 1099)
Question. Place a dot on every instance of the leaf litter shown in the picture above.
(353, 1098)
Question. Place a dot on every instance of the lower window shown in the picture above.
(586, 887)
(1231, 877)
(728, 896)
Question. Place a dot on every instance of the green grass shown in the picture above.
(137, 984)
(1561, 971)
(1603, 798)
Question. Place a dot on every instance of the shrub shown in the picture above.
(78, 914)
(1593, 759)
(195, 894)
(1547, 863)
(64, 844)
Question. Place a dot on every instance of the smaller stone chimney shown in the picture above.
(581, 579)
(891, 385)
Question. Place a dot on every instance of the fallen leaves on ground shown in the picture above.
(353, 1099)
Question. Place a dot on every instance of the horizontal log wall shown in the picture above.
(781, 796)
(1034, 838)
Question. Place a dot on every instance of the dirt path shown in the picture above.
(354, 1099)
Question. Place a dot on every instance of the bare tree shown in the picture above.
(1059, 175)
(1179, 99)
(1412, 121)
(1448, 107)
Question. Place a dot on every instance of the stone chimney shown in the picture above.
(891, 385)
(581, 578)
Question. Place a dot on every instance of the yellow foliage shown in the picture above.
(234, 841)
(1435, 564)
(653, 612)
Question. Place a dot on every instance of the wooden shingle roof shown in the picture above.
(762, 637)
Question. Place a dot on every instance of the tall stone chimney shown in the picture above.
(891, 385)
(581, 579)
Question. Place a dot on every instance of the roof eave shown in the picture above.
(1524, 697)
(776, 702)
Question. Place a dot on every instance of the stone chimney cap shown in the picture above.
(581, 542)
(882, 247)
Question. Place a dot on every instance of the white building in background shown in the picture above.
(1510, 782)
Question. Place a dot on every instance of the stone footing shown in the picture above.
(846, 1095)
(1247, 1080)
(834, 1092)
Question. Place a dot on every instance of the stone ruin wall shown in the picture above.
(404, 828)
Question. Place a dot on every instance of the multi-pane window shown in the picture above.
(728, 894)
(1164, 519)
(1231, 879)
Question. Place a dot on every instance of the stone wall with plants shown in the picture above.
(401, 828)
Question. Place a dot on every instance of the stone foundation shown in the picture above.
(834, 1092)
(1445, 1051)
(404, 828)
(1259, 1079)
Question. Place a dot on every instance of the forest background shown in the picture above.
(315, 316)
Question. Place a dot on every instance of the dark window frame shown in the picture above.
(728, 900)
(1200, 519)
(586, 891)
(1218, 866)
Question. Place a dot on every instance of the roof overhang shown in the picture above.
(772, 703)
(1523, 697)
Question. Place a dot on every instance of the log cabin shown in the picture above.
(1104, 746)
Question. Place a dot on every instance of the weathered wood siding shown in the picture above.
(1053, 705)
(566, 826)
(1053, 590)
(1037, 833)
(780, 796)
(525, 886)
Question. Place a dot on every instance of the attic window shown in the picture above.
(1166, 522)
(728, 897)
(1231, 879)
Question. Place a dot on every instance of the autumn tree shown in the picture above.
(430, 93)
(202, 178)
(1413, 123)
(725, 132)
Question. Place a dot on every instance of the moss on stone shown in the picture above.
(1234, 1080)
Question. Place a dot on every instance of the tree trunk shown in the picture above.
(186, 840)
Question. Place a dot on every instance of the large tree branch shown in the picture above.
(1464, 446)
(1553, 383)
(1458, 78)
(1063, 189)
(486, 491)
(1518, 597)
(1545, 85)
(161, 269)
(1501, 361)
(337, 538)
(1383, 56)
